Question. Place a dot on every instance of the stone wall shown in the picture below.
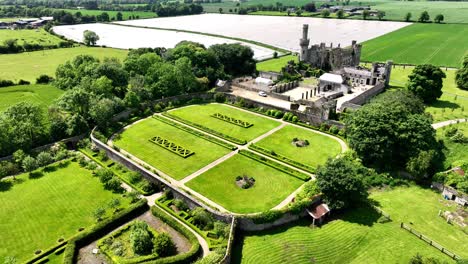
(367, 95)
(247, 224)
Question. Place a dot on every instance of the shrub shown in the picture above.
(134, 196)
(334, 129)
(29, 164)
(23, 82)
(220, 97)
(99, 213)
(102, 156)
(278, 114)
(44, 79)
(149, 187)
(323, 127)
(221, 229)
(8, 168)
(134, 177)
(113, 184)
(44, 158)
(141, 238)
(180, 205)
(168, 194)
(294, 119)
(164, 246)
(267, 217)
(104, 175)
(202, 219)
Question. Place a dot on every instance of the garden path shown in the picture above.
(449, 122)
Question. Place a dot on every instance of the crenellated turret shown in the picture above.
(304, 42)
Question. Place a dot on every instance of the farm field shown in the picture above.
(201, 114)
(113, 14)
(356, 237)
(31, 36)
(29, 65)
(247, 27)
(422, 212)
(454, 151)
(135, 140)
(438, 44)
(42, 95)
(110, 35)
(453, 103)
(37, 212)
(271, 186)
(275, 65)
(320, 149)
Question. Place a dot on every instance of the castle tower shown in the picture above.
(357, 53)
(304, 43)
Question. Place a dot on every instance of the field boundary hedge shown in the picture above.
(208, 130)
(299, 175)
(282, 158)
(196, 133)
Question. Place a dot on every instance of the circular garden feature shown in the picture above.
(300, 143)
(245, 182)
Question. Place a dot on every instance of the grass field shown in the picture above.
(219, 185)
(42, 95)
(29, 65)
(421, 207)
(356, 237)
(454, 151)
(31, 36)
(136, 141)
(37, 212)
(201, 114)
(113, 14)
(320, 149)
(438, 44)
(275, 65)
(453, 103)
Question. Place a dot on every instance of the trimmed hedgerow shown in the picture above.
(196, 133)
(282, 158)
(275, 165)
(232, 120)
(208, 130)
(172, 147)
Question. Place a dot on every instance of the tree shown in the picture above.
(424, 17)
(340, 14)
(408, 17)
(341, 182)
(119, 16)
(18, 156)
(325, 13)
(99, 213)
(298, 12)
(365, 14)
(380, 14)
(90, 38)
(29, 164)
(113, 184)
(310, 7)
(140, 238)
(426, 82)
(220, 10)
(439, 18)
(461, 77)
(102, 111)
(164, 246)
(237, 59)
(44, 158)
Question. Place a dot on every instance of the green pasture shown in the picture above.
(39, 94)
(419, 208)
(219, 185)
(438, 44)
(31, 36)
(29, 65)
(38, 211)
(453, 103)
(454, 151)
(320, 149)
(113, 14)
(201, 114)
(353, 237)
(135, 140)
(275, 65)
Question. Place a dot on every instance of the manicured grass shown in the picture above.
(453, 103)
(37, 212)
(113, 14)
(219, 185)
(42, 95)
(438, 44)
(275, 65)
(421, 207)
(320, 149)
(454, 151)
(201, 114)
(29, 65)
(135, 140)
(356, 237)
(31, 36)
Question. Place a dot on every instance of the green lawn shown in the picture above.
(37, 212)
(275, 65)
(29, 65)
(453, 103)
(113, 14)
(201, 114)
(454, 151)
(136, 141)
(438, 44)
(31, 36)
(219, 185)
(42, 95)
(355, 237)
(320, 149)
(421, 207)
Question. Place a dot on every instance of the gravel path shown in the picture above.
(449, 122)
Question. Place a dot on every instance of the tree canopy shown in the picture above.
(90, 37)
(426, 82)
(461, 78)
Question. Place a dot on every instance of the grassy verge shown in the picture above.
(275, 65)
(42, 95)
(282, 158)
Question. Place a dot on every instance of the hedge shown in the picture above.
(267, 216)
(46, 252)
(232, 120)
(282, 158)
(208, 130)
(102, 228)
(273, 164)
(196, 133)
(171, 146)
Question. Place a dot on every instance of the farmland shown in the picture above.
(437, 44)
(29, 36)
(275, 65)
(36, 212)
(29, 65)
(126, 15)
(42, 95)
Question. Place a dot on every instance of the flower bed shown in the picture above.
(232, 120)
(172, 147)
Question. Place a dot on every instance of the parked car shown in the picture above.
(262, 93)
